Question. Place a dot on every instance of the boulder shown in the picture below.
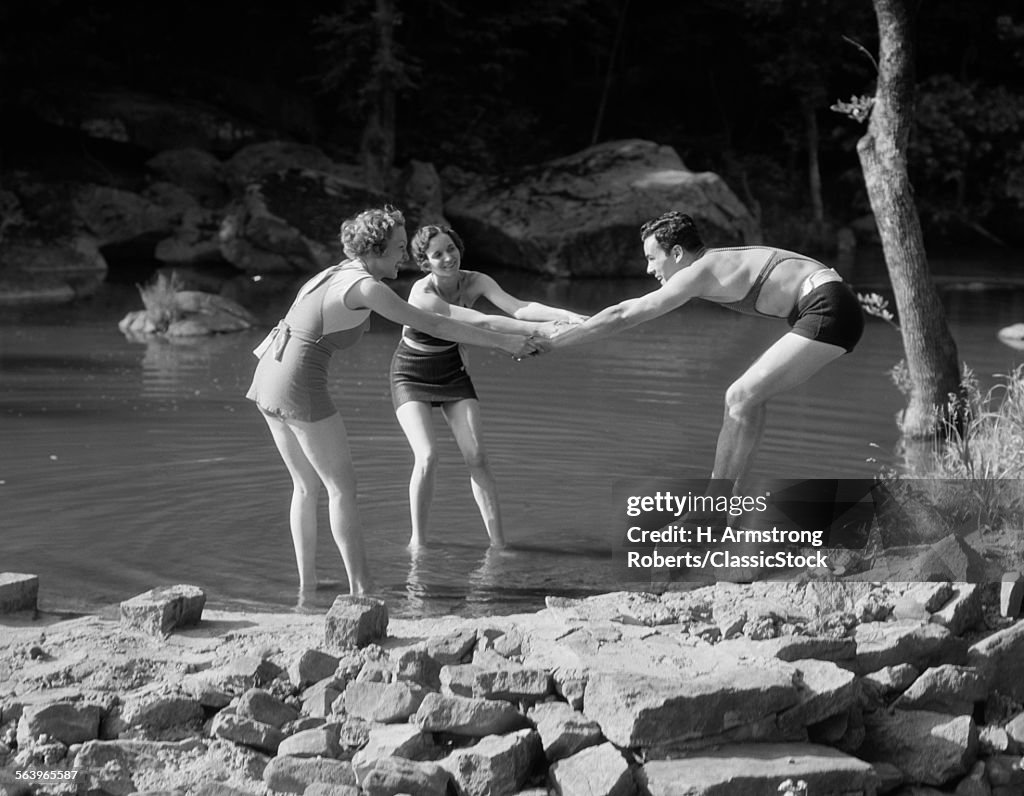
(564, 731)
(199, 173)
(178, 313)
(1000, 658)
(143, 120)
(581, 215)
(67, 722)
(467, 717)
(498, 765)
(289, 774)
(289, 221)
(159, 611)
(392, 740)
(18, 592)
(596, 771)
(645, 711)
(881, 644)
(386, 703)
(247, 732)
(50, 270)
(757, 770)
(951, 558)
(262, 706)
(311, 666)
(930, 748)
(945, 689)
(391, 775)
(355, 622)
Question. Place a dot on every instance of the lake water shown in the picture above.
(127, 465)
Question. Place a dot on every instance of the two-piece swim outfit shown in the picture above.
(291, 377)
(429, 369)
(826, 309)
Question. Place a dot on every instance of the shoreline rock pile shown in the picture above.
(856, 689)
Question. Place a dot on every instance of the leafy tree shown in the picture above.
(967, 153)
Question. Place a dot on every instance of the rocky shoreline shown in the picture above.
(847, 688)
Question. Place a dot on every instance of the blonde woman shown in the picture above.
(289, 386)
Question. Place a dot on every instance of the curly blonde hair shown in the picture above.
(369, 231)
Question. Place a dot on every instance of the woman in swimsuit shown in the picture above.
(428, 371)
(823, 313)
(330, 313)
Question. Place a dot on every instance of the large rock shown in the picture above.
(825, 690)
(289, 774)
(581, 215)
(1000, 658)
(67, 722)
(50, 270)
(117, 216)
(158, 611)
(355, 622)
(18, 592)
(391, 775)
(945, 689)
(198, 172)
(757, 770)
(467, 717)
(645, 711)
(881, 644)
(498, 765)
(930, 748)
(386, 703)
(952, 558)
(289, 221)
(247, 732)
(185, 313)
(597, 771)
(146, 121)
(392, 740)
(564, 731)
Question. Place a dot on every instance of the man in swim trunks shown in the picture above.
(823, 313)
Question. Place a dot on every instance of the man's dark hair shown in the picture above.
(673, 229)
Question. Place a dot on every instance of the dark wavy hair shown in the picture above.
(673, 229)
(421, 240)
(369, 231)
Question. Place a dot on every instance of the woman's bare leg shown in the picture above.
(305, 491)
(464, 419)
(325, 445)
(416, 421)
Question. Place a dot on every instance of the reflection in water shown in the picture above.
(129, 465)
(172, 362)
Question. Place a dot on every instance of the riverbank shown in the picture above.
(855, 688)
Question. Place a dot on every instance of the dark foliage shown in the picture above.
(490, 86)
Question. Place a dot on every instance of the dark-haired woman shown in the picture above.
(428, 370)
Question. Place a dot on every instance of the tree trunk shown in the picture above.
(814, 168)
(931, 353)
(377, 146)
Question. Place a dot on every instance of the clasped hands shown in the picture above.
(540, 342)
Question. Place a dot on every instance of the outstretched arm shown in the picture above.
(381, 299)
(431, 302)
(631, 312)
(522, 310)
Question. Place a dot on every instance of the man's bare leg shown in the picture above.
(785, 365)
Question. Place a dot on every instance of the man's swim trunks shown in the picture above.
(830, 313)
